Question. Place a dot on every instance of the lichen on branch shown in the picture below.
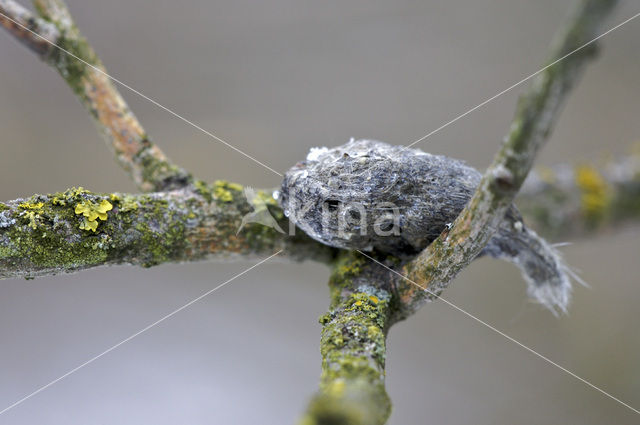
(78, 229)
(65, 49)
(353, 346)
(537, 111)
(35, 33)
(189, 220)
(578, 199)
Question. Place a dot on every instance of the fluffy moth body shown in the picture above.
(370, 195)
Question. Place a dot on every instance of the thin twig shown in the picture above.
(574, 200)
(537, 112)
(56, 40)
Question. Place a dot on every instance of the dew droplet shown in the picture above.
(286, 213)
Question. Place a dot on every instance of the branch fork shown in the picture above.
(185, 219)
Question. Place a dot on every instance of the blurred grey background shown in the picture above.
(275, 78)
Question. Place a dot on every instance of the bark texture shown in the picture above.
(433, 269)
(187, 219)
(78, 229)
(576, 200)
(55, 39)
(353, 346)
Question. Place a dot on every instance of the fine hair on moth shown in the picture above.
(372, 196)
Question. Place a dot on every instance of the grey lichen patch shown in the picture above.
(6, 220)
(160, 245)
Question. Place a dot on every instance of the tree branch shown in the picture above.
(78, 229)
(79, 66)
(440, 262)
(559, 201)
(353, 346)
(24, 26)
(355, 394)
(188, 220)
(569, 200)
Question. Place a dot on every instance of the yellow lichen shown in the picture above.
(222, 194)
(374, 299)
(58, 201)
(222, 190)
(373, 332)
(595, 191)
(31, 215)
(93, 212)
(235, 186)
(89, 225)
(336, 388)
(31, 205)
(31, 212)
(546, 174)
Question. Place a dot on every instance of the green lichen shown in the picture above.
(44, 241)
(346, 267)
(44, 247)
(160, 174)
(70, 68)
(55, 232)
(31, 211)
(161, 233)
(159, 247)
(128, 203)
(3, 207)
(353, 357)
(203, 189)
(220, 190)
(7, 252)
(353, 342)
